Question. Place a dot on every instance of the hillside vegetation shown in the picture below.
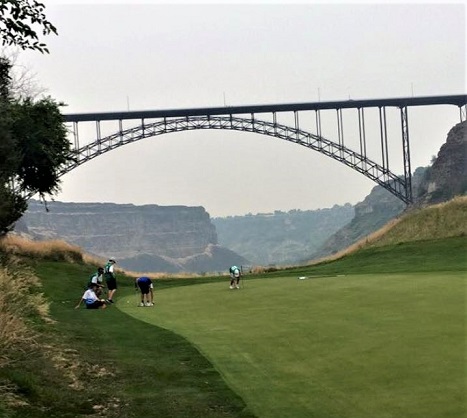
(59, 362)
(444, 220)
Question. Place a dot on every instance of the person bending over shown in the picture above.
(145, 286)
(235, 277)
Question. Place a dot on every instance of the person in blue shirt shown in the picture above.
(145, 286)
(235, 275)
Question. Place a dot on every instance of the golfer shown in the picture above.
(97, 278)
(235, 275)
(145, 286)
(110, 279)
(91, 300)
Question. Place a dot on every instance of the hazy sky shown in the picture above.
(112, 56)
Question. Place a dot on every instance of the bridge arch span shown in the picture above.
(374, 171)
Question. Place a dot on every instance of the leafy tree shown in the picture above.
(42, 145)
(18, 20)
(33, 140)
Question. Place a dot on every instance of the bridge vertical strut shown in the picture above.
(384, 139)
(98, 133)
(318, 123)
(406, 154)
(361, 130)
(75, 135)
(463, 113)
(340, 131)
(297, 125)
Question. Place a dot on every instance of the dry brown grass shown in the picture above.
(93, 260)
(159, 276)
(19, 299)
(55, 250)
(22, 307)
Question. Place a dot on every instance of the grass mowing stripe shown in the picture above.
(355, 346)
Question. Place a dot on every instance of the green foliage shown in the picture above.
(33, 141)
(5, 68)
(33, 147)
(41, 139)
(8, 151)
(18, 22)
(12, 206)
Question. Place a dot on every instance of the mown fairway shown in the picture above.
(373, 345)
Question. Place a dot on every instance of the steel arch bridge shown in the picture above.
(159, 122)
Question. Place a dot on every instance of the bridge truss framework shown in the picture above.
(153, 123)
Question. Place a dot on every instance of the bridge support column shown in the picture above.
(463, 113)
(406, 154)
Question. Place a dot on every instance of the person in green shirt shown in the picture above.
(110, 279)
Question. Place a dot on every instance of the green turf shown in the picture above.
(380, 333)
(148, 371)
(448, 254)
(351, 346)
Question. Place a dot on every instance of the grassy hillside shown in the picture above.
(56, 361)
(445, 220)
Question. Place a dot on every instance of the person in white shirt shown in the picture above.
(91, 300)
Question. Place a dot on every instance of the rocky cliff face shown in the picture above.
(447, 177)
(281, 238)
(142, 238)
(378, 208)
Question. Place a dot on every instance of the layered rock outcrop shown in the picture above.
(142, 238)
(447, 177)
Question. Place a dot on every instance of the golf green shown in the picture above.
(389, 345)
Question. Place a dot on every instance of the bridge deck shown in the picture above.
(457, 100)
